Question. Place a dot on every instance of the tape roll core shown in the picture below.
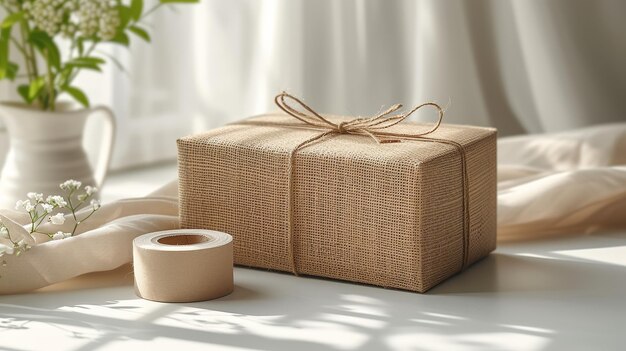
(184, 265)
(183, 239)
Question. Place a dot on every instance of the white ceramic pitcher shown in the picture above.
(46, 149)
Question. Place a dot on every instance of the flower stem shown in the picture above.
(70, 206)
(51, 96)
(30, 58)
(85, 54)
(40, 221)
(32, 222)
(82, 220)
(19, 47)
(46, 234)
(27, 58)
(75, 226)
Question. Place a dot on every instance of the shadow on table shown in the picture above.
(542, 265)
(528, 294)
(506, 273)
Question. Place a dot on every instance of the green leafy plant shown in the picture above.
(36, 28)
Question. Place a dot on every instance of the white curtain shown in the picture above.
(522, 66)
(519, 65)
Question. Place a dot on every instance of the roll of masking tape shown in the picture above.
(183, 265)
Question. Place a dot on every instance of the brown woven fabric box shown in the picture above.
(347, 208)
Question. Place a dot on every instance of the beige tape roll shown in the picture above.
(183, 265)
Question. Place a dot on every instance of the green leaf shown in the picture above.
(39, 38)
(11, 19)
(140, 32)
(81, 65)
(65, 73)
(87, 62)
(12, 69)
(78, 95)
(121, 38)
(5, 37)
(125, 16)
(136, 8)
(35, 88)
(23, 91)
(53, 55)
(47, 47)
(179, 1)
(93, 60)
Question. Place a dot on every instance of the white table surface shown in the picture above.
(558, 294)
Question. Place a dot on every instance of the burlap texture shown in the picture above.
(384, 214)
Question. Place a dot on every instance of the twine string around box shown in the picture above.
(372, 127)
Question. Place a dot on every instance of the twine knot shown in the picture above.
(370, 126)
(341, 128)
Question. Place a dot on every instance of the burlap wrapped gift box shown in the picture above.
(389, 214)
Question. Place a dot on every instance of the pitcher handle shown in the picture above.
(106, 149)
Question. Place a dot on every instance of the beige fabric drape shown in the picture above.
(104, 242)
(564, 183)
(552, 184)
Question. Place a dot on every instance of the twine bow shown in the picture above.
(370, 126)
(373, 127)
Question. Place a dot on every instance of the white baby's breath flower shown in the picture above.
(57, 219)
(37, 197)
(21, 205)
(95, 204)
(90, 190)
(58, 236)
(4, 233)
(70, 5)
(47, 207)
(108, 24)
(24, 205)
(70, 184)
(6, 249)
(45, 15)
(97, 18)
(56, 200)
(22, 246)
